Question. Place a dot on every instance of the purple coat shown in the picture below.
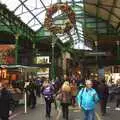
(48, 90)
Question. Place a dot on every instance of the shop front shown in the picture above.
(14, 76)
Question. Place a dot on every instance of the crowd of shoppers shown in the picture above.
(64, 93)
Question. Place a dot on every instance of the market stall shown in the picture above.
(14, 76)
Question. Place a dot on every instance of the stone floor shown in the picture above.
(75, 114)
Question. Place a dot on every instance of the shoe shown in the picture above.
(32, 107)
(47, 116)
(117, 108)
(103, 114)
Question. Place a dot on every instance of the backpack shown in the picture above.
(81, 96)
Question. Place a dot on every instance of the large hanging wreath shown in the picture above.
(68, 24)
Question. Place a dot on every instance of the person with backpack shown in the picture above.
(87, 99)
(48, 93)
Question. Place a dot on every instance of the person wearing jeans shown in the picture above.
(89, 114)
(87, 99)
(48, 93)
(48, 101)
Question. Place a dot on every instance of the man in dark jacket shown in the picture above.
(6, 103)
(32, 94)
(117, 92)
(103, 92)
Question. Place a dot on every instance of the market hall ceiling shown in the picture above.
(104, 16)
(107, 9)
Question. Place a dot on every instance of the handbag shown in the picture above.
(59, 96)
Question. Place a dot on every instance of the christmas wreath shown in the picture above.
(68, 24)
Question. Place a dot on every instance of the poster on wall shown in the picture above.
(7, 54)
(43, 72)
(43, 60)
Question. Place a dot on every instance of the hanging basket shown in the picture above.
(48, 23)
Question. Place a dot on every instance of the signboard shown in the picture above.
(98, 53)
(43, 72)
(43, 60)
(7, 54)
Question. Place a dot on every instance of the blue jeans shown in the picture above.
(89, 114)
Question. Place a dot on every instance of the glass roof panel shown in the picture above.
(11, 4)
(49, 2)
(65, 37)
(32, 12)
(26, 17)
(36, 27)
(29, 10)
(41, 19)
(82, 46)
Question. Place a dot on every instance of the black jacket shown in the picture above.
(117, 92)
(103, 91)
(6, 102)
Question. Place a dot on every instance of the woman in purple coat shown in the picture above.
(48, 92)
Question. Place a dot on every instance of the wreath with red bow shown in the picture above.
(49, 24)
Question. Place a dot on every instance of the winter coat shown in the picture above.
(117, 92)
(6, 102)
(48, 91)
(103, 91)
(87, 98)
(65, 97)
(73, 89)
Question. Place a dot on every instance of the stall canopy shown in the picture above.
(6, 47)
(93, 18)
(18, 66)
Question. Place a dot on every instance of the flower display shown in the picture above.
(48, 23)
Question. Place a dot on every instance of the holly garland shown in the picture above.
(49, 20)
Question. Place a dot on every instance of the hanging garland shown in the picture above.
(49, 20)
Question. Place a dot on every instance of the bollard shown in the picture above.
(25, 97)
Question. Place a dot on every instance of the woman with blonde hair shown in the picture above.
(65, 99)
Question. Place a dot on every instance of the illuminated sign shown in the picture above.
(43, 60)
(43, 72)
